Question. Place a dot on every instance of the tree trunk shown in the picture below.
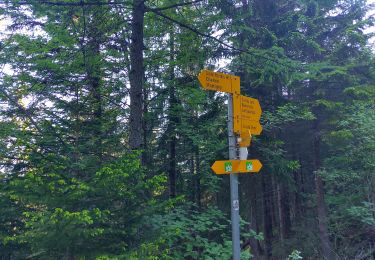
(253, 218)
(284, 215)
(281, 214)
(192, 173)
(172, 167)
(136, 76)
(94, 76)
(320, 203)
(272, 196)
(287, 217)
(172, 121)
(297, 194)
(267, 215)
(197, 179)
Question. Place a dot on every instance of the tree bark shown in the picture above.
(172, 167)
(284, 215)
(298, 193)
(272, 186)
(281, 214)
(287, 218)
(197, 179)
(253, 217)
(172, 121)
(320, 203)
(267, 215)
(136, 76)
(192, 173)
(94, 74)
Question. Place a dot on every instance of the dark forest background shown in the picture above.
(107, 138)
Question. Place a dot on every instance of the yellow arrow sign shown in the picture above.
(219, 81)
(236, 166)
(246, 113)
(250, 108)
(253, 126)
(225, 167)
(250, 166)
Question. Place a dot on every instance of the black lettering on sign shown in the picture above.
(213, 86)
(208, 79)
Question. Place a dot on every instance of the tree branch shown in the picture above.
(69, 3)
(149, 9)
(27, 114)
(159, 13)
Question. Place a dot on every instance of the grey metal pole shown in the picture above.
(235, 205)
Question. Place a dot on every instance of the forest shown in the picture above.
(107, 137)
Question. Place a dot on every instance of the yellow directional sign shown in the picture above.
(245, 139)
(236, 85)
(253, 126)
(237, 128)
(250, 166)
(226, 167)
(219, 81)
(236, 166)
(246, 113)
(250, 108)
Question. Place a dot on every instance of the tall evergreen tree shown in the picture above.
(87, 82)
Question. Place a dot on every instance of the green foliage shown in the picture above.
(188, 233)
(295, 255)
(71, 189)
(364, 213)
(75, 216)
(287, 114)
(10, 224)
(350, 180)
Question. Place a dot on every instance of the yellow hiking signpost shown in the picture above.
(246, 113)
(226, 167)
(249, 166)
(243, 122)
(236, 166)
(219, 81)
(250, 108)
(253, 126)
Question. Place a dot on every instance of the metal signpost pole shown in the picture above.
(235, 205)
(243, 118)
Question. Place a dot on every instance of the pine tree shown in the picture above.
(64, 100)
